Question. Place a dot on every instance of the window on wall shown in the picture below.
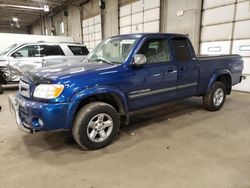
(92, 32)
(140, 16)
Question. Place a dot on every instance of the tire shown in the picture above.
(92, 121)
(215, 97)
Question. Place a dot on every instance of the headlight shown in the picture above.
(48, 91)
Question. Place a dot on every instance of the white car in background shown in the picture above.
(19, 58)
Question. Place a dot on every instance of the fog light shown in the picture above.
(37, 123)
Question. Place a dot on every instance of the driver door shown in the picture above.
(154, 82)
(26, 58)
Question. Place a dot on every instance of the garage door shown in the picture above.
(140, 16)
(224, 31)
(92, 31)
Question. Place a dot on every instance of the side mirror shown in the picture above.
(16, 55)
(139, 59)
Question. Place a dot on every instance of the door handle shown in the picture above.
(182, 68)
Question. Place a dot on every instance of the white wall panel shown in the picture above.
(215, 3)
(243, 11)
(241, 47)
(149, 4)
(134, 17)
(91, 37)
(85, 23)
(91, 21)
(86, 38)
(125, 30)
(138, 28)
(137, 7)
(242, 30)
(86, 30)
(137, 18)
(125, 10)
(220, 47)
(91, 29)
(98, 28)
(214, 16)
(217, 32)
(97, 19)
(125, 21)
(246, 65)
(151, 27)
(243, 86)
(152, 15)
(98, 36)
(92, 44)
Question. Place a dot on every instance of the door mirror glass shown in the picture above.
(139, 59)
(16, 55)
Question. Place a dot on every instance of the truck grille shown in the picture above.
(24, 88)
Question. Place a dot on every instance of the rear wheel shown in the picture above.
(96, 125)
(215, 98)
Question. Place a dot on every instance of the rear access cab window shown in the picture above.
(182, 49)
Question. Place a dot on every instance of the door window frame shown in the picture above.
(141, 43)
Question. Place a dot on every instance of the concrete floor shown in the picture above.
(175, 145)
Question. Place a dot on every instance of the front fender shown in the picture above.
(216, 75)
(99, 90)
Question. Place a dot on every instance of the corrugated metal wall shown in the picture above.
(225, 30)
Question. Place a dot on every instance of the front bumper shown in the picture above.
(33, 116)
(14, 109)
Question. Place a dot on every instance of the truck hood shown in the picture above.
(51, 73)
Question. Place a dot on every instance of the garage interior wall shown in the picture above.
(129, 16)
(187, 23)
(140, 16)
(227, 34)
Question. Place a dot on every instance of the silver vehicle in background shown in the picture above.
(19, 58)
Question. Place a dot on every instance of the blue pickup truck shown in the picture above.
(122, 74)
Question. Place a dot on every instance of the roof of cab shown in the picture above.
(139, 35)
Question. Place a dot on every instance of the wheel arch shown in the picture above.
(110, 95)
(222, 76)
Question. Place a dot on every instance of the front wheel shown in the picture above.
(215, 98)
(96, 125)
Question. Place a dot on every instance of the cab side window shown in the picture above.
(27, 51)
(156, 51)
(182, 50)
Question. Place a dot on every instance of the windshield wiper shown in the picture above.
(103, 60)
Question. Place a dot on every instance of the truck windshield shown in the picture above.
(114, 50)
(6, 50)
